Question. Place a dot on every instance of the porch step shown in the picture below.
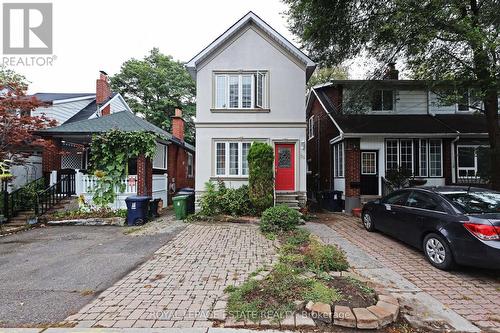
(288, 199)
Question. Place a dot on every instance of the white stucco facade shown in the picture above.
(251, 47)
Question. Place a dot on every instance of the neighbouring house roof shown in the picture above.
(465, 123)
(250, 18)
(50, 97)
(383, 124)
(88, 110)
(124, 121)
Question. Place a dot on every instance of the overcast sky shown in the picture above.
(93, 35)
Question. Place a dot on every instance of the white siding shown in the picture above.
(62, 112)
(117, 105)
(411, 101)
(436, 106)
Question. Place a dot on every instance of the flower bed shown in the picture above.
(309, 287)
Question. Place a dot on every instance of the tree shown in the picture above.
(453, 41)
(155, 86)
(17, 126)
(261, 178)
(325, 74)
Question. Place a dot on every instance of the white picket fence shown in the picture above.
(85, 184)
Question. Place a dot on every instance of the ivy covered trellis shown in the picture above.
(110, 152)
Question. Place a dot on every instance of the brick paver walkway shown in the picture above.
(183, 281)
(472, 293)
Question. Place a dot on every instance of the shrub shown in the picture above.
(320, 257)
(218, 199)
(279, 218)
(261, 178)
(319, 292)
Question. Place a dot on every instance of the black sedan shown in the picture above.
(451, 224)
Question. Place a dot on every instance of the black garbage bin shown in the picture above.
(191, 198)
(137, 209)
(331, 200)
(153, 207)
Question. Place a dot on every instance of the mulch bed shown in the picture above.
(352, 295)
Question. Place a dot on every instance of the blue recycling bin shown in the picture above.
(137, 209)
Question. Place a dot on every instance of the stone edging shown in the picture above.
(375, 316)
(117, 221)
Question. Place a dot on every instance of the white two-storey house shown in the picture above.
(250, 86)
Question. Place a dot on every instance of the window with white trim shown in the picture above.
(391, 154)
(241, 91)
(190, 169)
(231, 158)
(310, 127)
(406, 155)
(338, 160)
(435, 158)
(423, 158)
(160, 158)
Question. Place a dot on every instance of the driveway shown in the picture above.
(47, 274)
(183, 284)
(471, 292)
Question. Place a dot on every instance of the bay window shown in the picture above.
(424, 158)
(231, 158)
(241, 90)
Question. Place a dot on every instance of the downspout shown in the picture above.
(453, 160)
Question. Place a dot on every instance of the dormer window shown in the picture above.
(383, 100)
(242, 90)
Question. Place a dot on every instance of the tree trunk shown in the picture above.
(491, 110)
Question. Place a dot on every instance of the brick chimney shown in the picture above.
(178, 125)
(103, 89)
(391, 73)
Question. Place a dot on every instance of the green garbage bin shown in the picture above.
(180, 206)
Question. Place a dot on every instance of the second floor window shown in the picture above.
(310, 127)
(383, 100)
(241, 91)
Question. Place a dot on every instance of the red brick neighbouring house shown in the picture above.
(353, 143)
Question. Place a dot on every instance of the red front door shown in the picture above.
(284, 165)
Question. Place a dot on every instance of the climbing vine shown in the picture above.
(110, 153)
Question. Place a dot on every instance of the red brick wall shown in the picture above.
(51, 157)
(103, 90)
(144, 176)
(319, 149)
(352, 167)
(106, 111)
(178, 125)
(177, 167)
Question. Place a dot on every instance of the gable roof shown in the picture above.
(50, 97)
(250, 18)
(124, 121)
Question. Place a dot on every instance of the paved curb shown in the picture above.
(424, 310)
(132, 330)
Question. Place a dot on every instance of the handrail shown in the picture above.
(49, 197)
(20, 199)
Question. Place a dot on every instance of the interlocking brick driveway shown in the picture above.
(472, 293)
(180, 285)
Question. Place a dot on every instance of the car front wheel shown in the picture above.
(438, 252)
(367, 219)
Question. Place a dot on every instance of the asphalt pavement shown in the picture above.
(47, 274)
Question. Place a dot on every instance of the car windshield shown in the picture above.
(477, 202)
